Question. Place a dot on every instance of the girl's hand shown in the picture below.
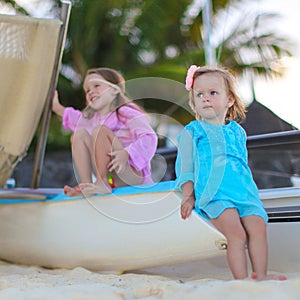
(119, 160)
(187, 206)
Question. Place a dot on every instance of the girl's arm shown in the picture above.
(72, 118)
(56, 106)
(184, 168)
(69, 115)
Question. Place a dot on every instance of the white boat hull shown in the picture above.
(107, 233)
(128, 232)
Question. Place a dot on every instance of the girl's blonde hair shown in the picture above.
(117, 79)
(237, 110)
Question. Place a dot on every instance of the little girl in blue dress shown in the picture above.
(213, 173)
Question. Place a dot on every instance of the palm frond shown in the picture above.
(19, 9)
(253, 48)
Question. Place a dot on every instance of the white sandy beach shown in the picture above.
(26, 282)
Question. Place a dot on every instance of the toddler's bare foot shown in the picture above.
(89, 189)
(72, 191)
(269, 277)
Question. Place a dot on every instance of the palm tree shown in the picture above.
(135, 36)
(250, 45)
(160, 39)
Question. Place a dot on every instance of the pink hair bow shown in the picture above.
(189, 76)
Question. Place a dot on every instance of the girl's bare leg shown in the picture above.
(255, 227)
(101, 147)
(81, 152)
(257, 244)
(104, 143)
(230, 225)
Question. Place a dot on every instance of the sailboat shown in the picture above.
(133, 228)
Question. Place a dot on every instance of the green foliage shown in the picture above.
(16, 6)
(134, 37)
(58, 138)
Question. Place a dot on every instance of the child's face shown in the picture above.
(99, 95)
(210, 98)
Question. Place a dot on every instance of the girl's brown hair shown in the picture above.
(237, 110)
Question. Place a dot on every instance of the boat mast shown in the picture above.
(209, 50)
(45, 121)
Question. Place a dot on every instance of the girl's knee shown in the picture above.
(101, 131)
(80, 134)
(255, 225)
(257, 231)
(234, 233)
(239, 234)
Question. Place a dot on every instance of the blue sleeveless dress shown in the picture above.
(214, 157)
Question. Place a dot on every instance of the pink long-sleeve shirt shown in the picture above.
(130, 126)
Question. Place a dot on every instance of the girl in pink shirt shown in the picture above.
(112, 136)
